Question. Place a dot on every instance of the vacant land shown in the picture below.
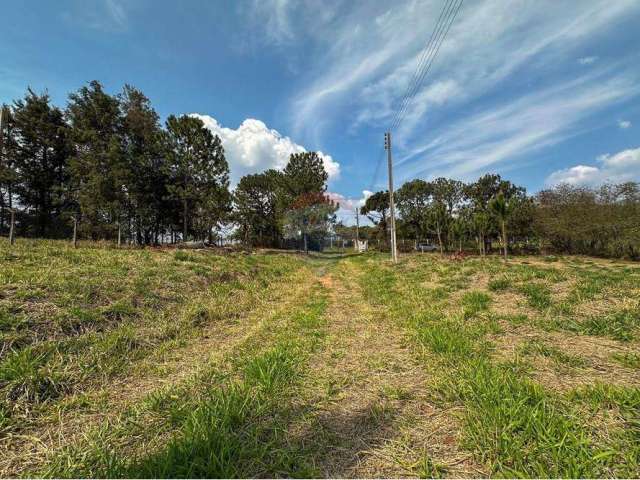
(147, 363)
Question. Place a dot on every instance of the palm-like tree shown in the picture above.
(481, 224)
(501, 208)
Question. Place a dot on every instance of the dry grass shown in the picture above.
(352, 367)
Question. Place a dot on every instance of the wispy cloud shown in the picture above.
(587, 60)
(373, 52)
(507, 81)
(504, 132)
(624, 124)
(106, 15)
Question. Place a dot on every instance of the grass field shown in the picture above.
(162, 363)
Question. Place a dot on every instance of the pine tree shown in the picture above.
(255, 208)
(147, 205)
(41, 160)
(199, 174)
(8, 174)
(99, 167)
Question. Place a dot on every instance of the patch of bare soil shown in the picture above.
(369, 414)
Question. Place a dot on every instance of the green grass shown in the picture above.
(513, 425)
(538, 295)
(629, 360)
(82, 329)
(72, 320)
(562, 359)
(223, 423)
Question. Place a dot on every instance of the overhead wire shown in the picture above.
(447, 15)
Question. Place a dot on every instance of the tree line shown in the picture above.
(491, 211)
(105, 165)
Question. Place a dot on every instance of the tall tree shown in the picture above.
(146, 193)
(255, 201)
(8, 173)
(413, 200)
(41, 158)
(501, 208)
(376, 208)
(99, 166)
(303, 174)
(311, 213)
(198, 170)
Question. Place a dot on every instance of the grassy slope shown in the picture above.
(178, 364)
(87, 332)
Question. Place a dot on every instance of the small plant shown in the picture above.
(628, 359)
(430, 469)
(474, 302)
(24, 376)
(621, 325)
(538, 295)
(499, 284)
(539, 347)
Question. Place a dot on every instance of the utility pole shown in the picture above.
(1, 128)
(357, 225)
(392, 208)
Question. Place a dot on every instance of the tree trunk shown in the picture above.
(184, 220)
(304, 236)
(12, 227)
(504, 239)
(75, 232)
(440, 242)
(119, 235)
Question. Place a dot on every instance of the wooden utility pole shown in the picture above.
(357, 225)
(392, 208)
(2, 121)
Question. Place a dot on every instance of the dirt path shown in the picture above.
(367, 408)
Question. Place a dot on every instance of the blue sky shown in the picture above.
(538, 91)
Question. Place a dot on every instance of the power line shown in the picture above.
(447, 15)
(423, 56)
(435, 48)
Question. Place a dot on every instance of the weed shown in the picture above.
(499, 284)
(474, 302)
(25, 375)
(619, 325)
(629, 360)
(538, 295)
(539, 347)
(430, 469)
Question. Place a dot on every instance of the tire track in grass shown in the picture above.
(365, 410)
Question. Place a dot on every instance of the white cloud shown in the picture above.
(624, 124)
(621, 167)
(348, 205)
(587, 60)
(253, 148)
